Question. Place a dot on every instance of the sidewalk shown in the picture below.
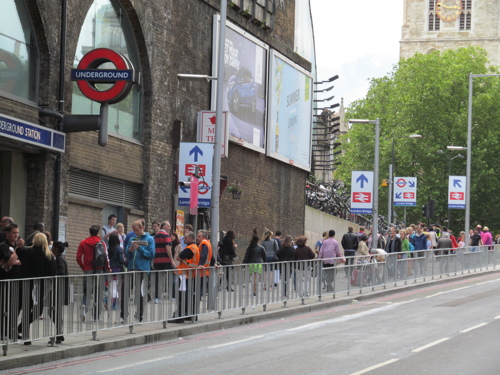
(20, 355)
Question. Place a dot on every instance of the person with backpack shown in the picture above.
(92, 257)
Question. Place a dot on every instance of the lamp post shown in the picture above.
(460, 156)
(391, 174)
(216, 164)
(375, 177)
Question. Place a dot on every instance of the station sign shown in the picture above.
(27, 132)
(456, 192)
(192, 155)
(405, 191)
(87, 75)
(362, 192)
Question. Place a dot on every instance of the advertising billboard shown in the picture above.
(290, 112)
(244, 92)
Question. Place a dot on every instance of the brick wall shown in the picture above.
(172, 37)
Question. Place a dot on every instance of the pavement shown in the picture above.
(80, 344)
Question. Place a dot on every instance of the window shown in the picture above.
(434, 22)
(466, 16)
(18, 53)
(106, 26)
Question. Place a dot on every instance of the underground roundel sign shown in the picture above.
(88, 74)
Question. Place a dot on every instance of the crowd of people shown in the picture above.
(108, 249)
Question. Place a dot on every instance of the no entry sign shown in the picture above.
(88, 74)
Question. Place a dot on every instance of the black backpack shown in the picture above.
(99, 256)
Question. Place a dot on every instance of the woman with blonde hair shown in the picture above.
(37, 262)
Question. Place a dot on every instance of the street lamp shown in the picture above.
(391, 173)
(216, 164)
(375, 177)
(460, 156)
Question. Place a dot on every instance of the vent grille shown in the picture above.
(104, 189)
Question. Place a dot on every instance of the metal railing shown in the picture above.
(92, 303)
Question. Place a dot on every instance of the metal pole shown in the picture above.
(375, 188)
(449, 174)
(469, 158)
(389, 209)
(216, 167)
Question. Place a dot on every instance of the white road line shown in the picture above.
(448, 291)
(348, 317)
(429, 345)
(471, 328)
(235, 342)
(497, 317)
(488, 282)
(368, 369)
(135, 364)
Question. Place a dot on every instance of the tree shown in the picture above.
(428, 95)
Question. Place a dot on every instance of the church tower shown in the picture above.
(430, 25)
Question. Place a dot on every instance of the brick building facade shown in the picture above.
(134, 176)
(465, 23)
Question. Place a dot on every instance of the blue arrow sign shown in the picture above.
(411, 184)
(184, 189)
(399, 195)
(362, 180)
(457, 183)
(197, 152)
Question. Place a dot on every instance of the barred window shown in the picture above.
(466, 16)
(434, 21)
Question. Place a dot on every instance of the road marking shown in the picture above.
(368, 369)
(429, 345)
(487, 282)
(135, 364)
(346, 318)
(497, 317)
(448, 291)
(235, 342)
(471, 328)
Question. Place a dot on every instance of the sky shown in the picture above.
(356, 39)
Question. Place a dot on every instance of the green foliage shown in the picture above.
(428, 95)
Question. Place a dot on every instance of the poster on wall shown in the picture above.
(290, 112)
(179, 222)
(244, 86)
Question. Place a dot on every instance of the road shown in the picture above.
(451, 328)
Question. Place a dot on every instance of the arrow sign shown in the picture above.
(197, 152)
(456, 192)
(184, 189)
(411, 184)
(362, 180)
(362, 192)
(398, 195)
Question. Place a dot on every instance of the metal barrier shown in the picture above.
(92, 303)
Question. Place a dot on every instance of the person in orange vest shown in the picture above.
(206, 261)
(187, 269)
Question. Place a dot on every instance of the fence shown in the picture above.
(92, 303)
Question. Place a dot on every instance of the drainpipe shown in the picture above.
(60, 109)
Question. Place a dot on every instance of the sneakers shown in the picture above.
(156, 301)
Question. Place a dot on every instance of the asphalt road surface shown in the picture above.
(453, 328)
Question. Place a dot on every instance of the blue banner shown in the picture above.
(33, 134)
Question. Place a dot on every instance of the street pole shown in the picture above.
(449, 174)
(469, 157)
(376, 184)
(375, 177)
(216, 166)
(389, 209)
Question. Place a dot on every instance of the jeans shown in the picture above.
(349, 260)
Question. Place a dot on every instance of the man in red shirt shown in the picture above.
(85, 259)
